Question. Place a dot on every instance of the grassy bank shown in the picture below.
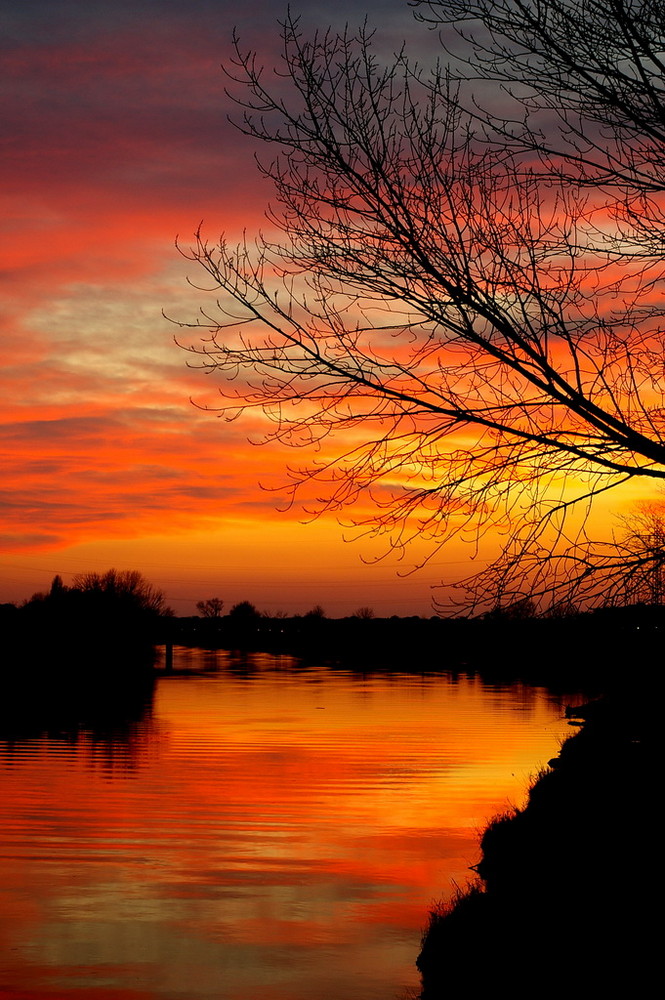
(565, 895)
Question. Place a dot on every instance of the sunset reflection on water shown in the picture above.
(266, 830)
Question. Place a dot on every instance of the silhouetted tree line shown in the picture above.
(565, 647)
(106, 625)
(108, 618)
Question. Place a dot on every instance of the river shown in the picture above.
(263, 829)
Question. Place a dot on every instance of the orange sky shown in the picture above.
(115, 141)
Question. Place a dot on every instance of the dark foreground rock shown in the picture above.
(567, 898)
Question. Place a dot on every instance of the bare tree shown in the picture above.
(473, 284)
(642, 544)
(315, 613)
(211, 608)
(584, 79)
(128, 587)
(364, 613)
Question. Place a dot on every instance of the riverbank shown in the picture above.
(564, 899)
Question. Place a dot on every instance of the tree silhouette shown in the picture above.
(364, 613)
(126, 589)
(57, 586)
(103, 621)
(466, 286)
(642, 544)
(316, 613)
(244, 611)
(211, 608)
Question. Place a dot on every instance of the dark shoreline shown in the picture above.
(562, 901)
(583, 653)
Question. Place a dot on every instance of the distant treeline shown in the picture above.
(112, 621)
(499, 646)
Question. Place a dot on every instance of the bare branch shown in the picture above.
(464, 295)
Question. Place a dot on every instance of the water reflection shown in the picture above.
(259, 829)
(107, 722)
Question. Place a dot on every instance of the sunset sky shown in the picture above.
(115, 140)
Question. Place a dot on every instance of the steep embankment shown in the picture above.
(565, 900)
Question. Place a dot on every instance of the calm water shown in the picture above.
(262, 832)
